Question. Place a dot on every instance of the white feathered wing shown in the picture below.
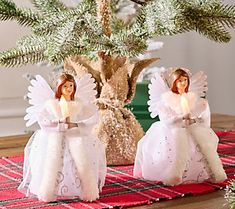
(39, 93)
(86, 89)
(198, 84)
(157, 87)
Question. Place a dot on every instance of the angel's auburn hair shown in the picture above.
(175, 77)
(61, 81)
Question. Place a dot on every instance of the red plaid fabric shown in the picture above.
(120, 190)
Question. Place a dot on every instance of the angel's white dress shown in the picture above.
(172, 153)
(64, 163)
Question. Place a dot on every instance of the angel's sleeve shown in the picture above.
(169, 116)
(88, 114)
(45, 119)
(206, 115)
(201, 112)
(49, 120)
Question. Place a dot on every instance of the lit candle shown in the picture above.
(184, 105)
(64, 107)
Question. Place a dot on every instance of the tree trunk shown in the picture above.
(118, 128)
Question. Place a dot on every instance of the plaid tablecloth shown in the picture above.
(120, 190)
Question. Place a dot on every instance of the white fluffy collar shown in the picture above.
(53, 107)
(173, 100)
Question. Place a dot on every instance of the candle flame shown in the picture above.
(64, 107)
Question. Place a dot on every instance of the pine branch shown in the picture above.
(116, 24)
(19, 57)
(51, 23)
(75, 37)
(77, 31)
(208, 18)
(33, 41)
(126, 43)
(30, 49)
(157, 18)
(213, 32)
(63, 44)
(210, 22)
(223, 14)
(9, 11)
(169, 17)
(48, 7)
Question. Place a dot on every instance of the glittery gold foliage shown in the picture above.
(91, 38)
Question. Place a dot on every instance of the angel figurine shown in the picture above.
(180, 148)
(64, 159)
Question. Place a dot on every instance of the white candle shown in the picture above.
(184, 105)
(64, 107)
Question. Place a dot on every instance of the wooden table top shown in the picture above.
(14, 145)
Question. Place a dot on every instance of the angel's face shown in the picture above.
(182, 84)
(67, 89)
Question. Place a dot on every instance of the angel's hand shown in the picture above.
(186, 116)
(192, 121)
(199, 120)
(72, 125)
(62, 127)
(186, 122)
(63, 120)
